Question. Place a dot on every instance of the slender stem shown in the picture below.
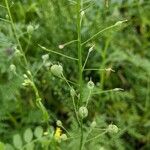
(75, 110)
(5, 20)
(87, 101)
(101, 31)
(86, 60)
(96, 136)
(102, 74)
(15, 32)
(40, 104)
(68, 81)
(2, 6)
(94, 69)
(79, 47)
(70, 42)
(106, 91)
(80, 63)
(52, 51)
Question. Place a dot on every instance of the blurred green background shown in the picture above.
(126, 49)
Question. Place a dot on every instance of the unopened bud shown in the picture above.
(12, 68)
(120, 22)
(59, 123)
(93, 124)
(61, 46)
(45, 57)
(91, 49)
(82, 13)
(90, 85)
(30, 29)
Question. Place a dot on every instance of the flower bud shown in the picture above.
(120, 22)
(93, 124)
(30, 29)
(83, 112)
(45, 57)
(59, 123)
(91, 48)
(12, 68)
(57, 70)
(112, 129)
(72, 92)
(17, 53)
(82, 13)
(90, 85)
(25, 76)
(61, 46)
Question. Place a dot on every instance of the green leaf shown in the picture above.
(2, 146)
(17, 141)
(38, 132)
(8, 147)
(30, 146)
(28, 135)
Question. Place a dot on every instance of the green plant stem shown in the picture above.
(89, 95)
(94, 69)
(102, 74)
(70, 42)
(40, 104)
(52, 51)
(2, 6)
(15, 32)
(5, 20)
(86, 60)
(96, 136)
(75, 110)
(101, 31)
(80, 63)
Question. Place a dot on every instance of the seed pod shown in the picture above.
(83, 112)
(112, 129)
(90, 85)
(57, 70)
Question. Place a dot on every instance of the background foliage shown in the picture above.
(125, 49)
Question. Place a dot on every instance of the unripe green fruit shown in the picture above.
(83, 112)
(112, 129)
(57, 70)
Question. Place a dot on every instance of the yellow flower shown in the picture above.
(58, 133)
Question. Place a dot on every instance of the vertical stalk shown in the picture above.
(15, 32)
(102, 74)
(38, 99)
(79, 47)
(80, 63)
